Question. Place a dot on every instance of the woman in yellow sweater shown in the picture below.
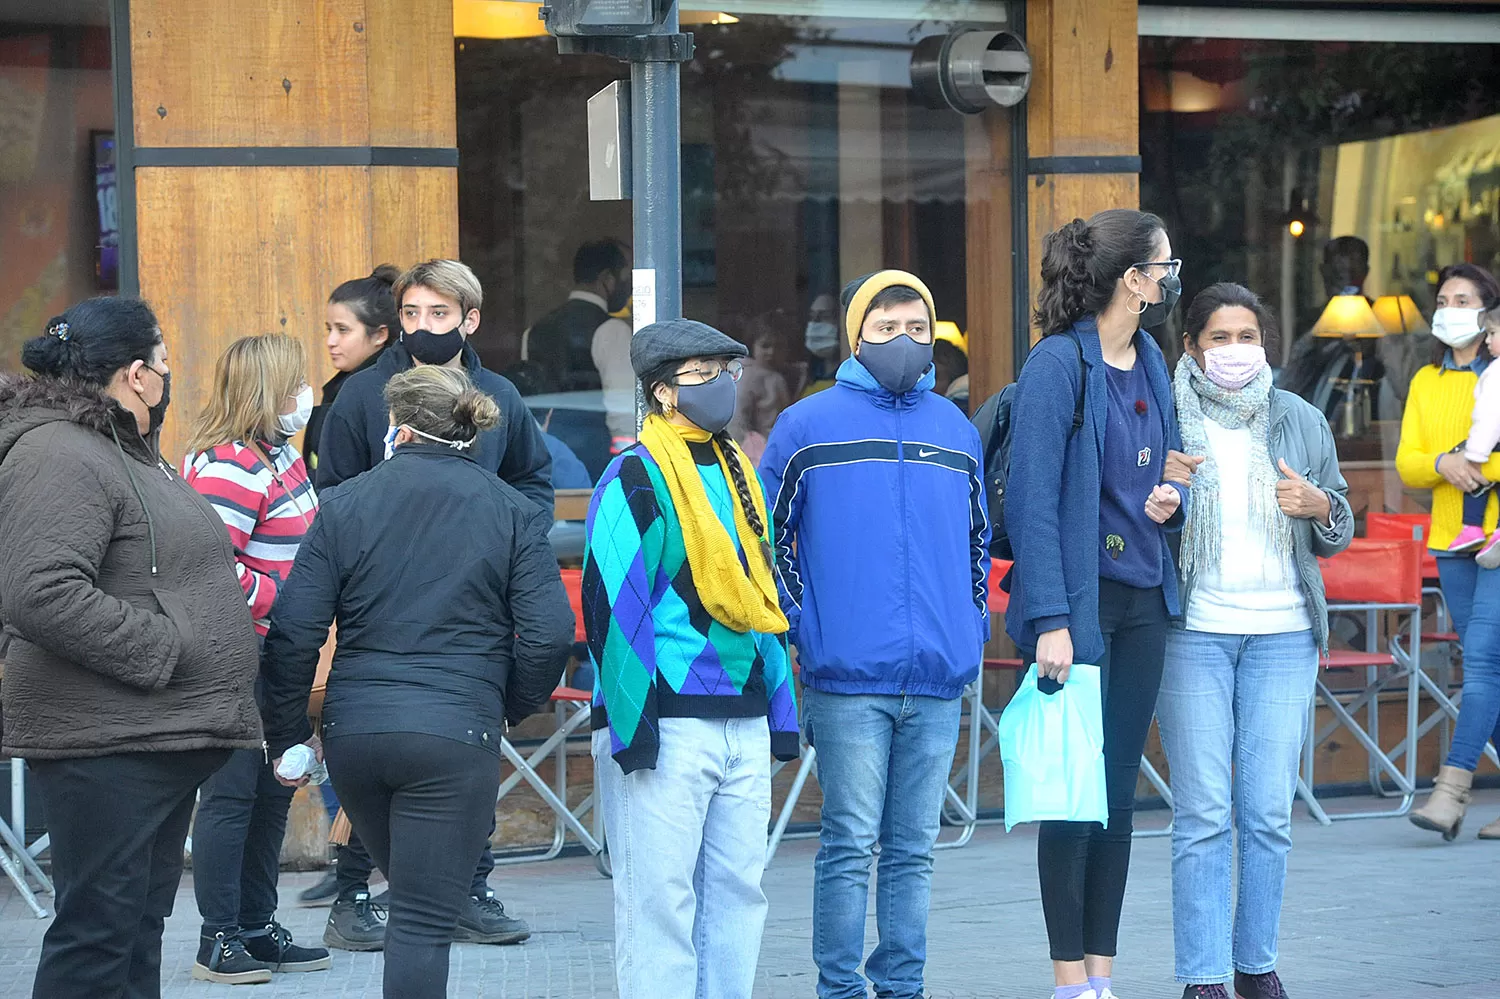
(1436, 424)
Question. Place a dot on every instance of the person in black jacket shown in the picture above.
(439, 307)
(359, 318)
(452, 621)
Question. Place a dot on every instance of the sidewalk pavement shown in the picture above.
(1374, 910)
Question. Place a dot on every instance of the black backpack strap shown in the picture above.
(1083, 383)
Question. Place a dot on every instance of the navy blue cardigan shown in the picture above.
(1052, 501)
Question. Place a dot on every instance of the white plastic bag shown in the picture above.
(300, 761)
(1052, 746)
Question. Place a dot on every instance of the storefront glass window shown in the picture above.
(805, 164)
(59, 232)
(1307, 169)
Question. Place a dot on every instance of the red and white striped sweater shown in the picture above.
(267, 510)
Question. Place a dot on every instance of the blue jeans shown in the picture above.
(883, 762)
(1473, 596)
(1232, 715)
(688, 846)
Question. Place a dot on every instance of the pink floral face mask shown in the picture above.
(1234, 365)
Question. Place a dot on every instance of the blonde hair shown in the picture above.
(440, 402)
(252, 380)
(450, 278)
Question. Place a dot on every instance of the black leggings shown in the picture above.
(423, 806)
(1083, 865)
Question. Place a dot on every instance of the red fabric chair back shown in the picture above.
(1401, 525)
(1375, 571)
(999, 600)
(573, 583)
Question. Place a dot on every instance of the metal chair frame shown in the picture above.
(572, 711)
(21, 860)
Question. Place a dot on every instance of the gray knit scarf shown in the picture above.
(1197, 399)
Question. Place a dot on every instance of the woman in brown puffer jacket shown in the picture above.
(132, 658)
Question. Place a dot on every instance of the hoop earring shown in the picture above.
(1144, 305)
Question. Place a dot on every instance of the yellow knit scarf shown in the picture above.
(739, 602)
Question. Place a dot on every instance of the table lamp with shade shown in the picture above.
(1399, 314)
(1351, 319)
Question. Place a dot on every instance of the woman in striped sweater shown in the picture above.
(1439, 409)
(241, 458)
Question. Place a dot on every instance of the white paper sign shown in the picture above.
(643, 298)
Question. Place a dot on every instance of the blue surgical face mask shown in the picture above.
(898, 364)
(390, 441)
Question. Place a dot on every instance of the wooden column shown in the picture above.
(1083, 115)
(280, 149)
(989, 252)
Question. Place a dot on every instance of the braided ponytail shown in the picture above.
(742, 489)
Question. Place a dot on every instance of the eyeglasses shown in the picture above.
(707, 371)
(1173, 266)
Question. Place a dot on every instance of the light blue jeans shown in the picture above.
(1473, 596)
(1232, 714)
(687, 844)
(883, 762)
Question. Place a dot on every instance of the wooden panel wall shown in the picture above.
(989, 253)
(226, 252)
(1083, 102)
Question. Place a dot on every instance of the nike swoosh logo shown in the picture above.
(925, 454)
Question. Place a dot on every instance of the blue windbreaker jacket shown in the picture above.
(881, 538)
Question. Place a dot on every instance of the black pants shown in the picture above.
(423, 806)
(355, 864)
(237, 837)
(1475, 505)
(1082, 865)
(118, 824)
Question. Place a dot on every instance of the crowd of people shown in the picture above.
(743, 551)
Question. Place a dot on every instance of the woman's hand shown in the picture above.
(1162, 503)
(316, 745)
(1299, 498)
(1180, 467)
(1460, 472)
(1054, 654)
(276, 769)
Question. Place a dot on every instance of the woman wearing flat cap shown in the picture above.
(693, 693)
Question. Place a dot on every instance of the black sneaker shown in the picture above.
(1205, 992)
(323, 893)
(272, 945)
(222, 958)
(484, 921)
(1266, 986)
(356, 924)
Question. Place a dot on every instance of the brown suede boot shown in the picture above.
(1491, 831)
(1444, 811)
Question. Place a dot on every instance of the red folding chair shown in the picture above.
(1374, 576)
(573, 709)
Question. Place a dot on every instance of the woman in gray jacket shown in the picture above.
(1267, 502)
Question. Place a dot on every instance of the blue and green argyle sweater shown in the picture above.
(656, 652)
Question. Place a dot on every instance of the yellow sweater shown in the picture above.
(1439, 407)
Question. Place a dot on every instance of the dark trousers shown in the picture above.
(118, 824)
(237, 837)
(354, 865)
(1083, 865)
(423, 805)
(1475, 505)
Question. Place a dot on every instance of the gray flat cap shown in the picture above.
(678, 340)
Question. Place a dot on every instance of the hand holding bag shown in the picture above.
(1052, 746)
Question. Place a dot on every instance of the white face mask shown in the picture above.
(1458, 328)
(291, 423)
(821, 338)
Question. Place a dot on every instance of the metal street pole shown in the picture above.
(656, 164)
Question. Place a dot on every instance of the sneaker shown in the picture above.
(1266, 986)
(222, 958)
(356, 924)
(1489, 555)
(1108, 994)
(1470, 539)
(1205, 992)
(323, 893)
(272, 945)
(484, 921)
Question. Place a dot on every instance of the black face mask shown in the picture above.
(619, 296)
(1156, 313)
(433, 348)
(898, 364)
(709, 406)
(158, 412)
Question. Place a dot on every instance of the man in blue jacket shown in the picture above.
(881, 544)
(439, 306)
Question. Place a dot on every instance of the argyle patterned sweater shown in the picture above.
(656, 652)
